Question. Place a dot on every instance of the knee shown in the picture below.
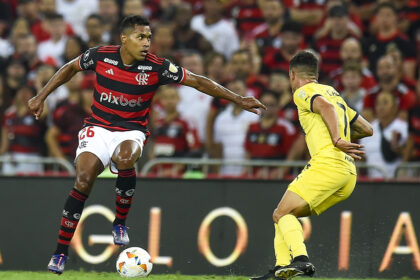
(280, 213)
(125, 161)
(84, 182)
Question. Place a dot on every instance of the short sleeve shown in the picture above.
(352, 114)
(87, 60)
(170, 73)
(304, 99)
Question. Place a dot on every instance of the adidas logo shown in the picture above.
(109, 71)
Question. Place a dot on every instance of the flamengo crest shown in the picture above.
(142, 79)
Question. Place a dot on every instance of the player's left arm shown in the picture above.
(212, 88)
(321, 106)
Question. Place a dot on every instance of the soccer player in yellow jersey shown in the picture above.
(329, 177)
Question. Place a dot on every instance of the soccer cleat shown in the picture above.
(57, 263)
(296, 268)
(269, 275)
(119, 232)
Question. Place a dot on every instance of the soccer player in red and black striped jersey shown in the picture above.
(127, 77)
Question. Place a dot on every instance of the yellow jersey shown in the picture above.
(317, 136)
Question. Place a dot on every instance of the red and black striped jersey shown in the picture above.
(123, 93)
(25, 134)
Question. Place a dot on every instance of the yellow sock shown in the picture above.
(292, 232)
(280, 248)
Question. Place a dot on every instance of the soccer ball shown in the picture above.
(134, 262)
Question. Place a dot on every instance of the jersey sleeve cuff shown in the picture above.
(312, 100)
(354, 118)
(184, 75)
(78, 62)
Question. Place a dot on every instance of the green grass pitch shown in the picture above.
(76, 275)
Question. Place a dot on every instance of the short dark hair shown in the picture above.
(132, 21)
(291, 26)
(307, 61)
(270, 92)
(95, 16)
(54, 16)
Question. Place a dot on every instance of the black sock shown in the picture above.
(125, 186)
(71, 214)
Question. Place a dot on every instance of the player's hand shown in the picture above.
(251, 104)
(352, 149)
(36, 106)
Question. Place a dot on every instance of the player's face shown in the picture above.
(137, 42)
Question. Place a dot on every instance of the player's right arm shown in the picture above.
(63, 75)
(360, 128)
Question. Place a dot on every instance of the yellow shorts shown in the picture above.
(323, 186)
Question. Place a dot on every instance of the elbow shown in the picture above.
(369, 131)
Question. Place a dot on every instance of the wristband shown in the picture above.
(335, 144)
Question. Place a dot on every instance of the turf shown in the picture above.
(77, 275)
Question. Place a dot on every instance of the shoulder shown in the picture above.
(106, 49)
(154, 59)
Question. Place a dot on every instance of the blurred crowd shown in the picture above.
(369, 51)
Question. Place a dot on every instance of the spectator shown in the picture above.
(74, 47)
(21, 135)
(218, 31)
(53, 49)
(351, 50)
(76, 12)
(396, 54)
(389, 80)
(15, 77)
(188, 38)
(94, 31)
(247, 15)
(62, 135)
(385, 147)
(172, 136)
(231, 138)
(5, 99)
(194, 105)
(388, 33)
(20, 27)
(43, 75)
(267, 34)
(270, 138)
(163, 40)
(214, 64)
(132, 8)
(278, 58)
(331, 36)
(26, 51)
(110, 14)
(309, 13)
(412, 149)
(40, 27)
(353, 93)
(280, 84)
(240, 66)
(28, 9)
